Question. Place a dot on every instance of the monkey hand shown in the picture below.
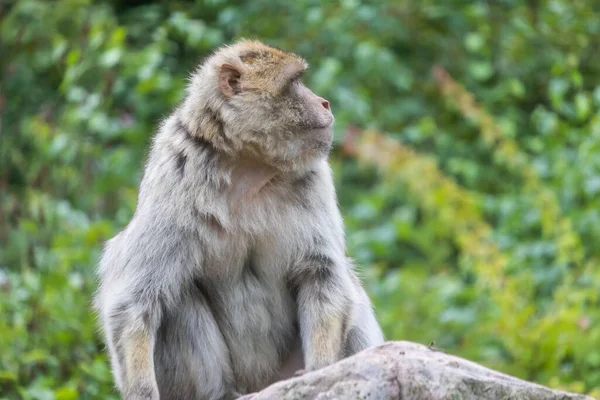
(300, 372)
(143, 396)
(248, 396)
(143, 393)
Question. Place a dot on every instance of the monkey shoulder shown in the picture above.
(179, 158)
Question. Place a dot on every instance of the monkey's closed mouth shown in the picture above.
(321, 127)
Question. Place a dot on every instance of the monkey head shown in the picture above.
(255, 95)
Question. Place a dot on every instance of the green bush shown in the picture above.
(479, 232)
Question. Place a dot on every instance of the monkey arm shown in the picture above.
(142, 273)
(324, 308)
(135, 349)
(322, 278)
(131, 322)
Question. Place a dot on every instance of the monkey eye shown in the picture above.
(292, 81)
(298, 76)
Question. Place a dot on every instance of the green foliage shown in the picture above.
(478, 231)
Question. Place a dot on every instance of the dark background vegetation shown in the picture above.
(471, 199)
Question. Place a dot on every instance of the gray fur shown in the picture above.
(204, 297)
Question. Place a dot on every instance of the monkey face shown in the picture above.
(271, 110)
(302, 121)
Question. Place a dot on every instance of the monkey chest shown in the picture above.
(256, 314)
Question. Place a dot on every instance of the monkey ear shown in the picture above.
(229, 80)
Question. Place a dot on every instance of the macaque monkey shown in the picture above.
(232, 273)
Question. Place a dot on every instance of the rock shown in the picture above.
(407, 371)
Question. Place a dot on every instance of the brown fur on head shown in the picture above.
(247, 99)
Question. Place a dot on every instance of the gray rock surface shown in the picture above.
(407, 371)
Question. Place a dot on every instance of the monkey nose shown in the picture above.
(325, 104)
